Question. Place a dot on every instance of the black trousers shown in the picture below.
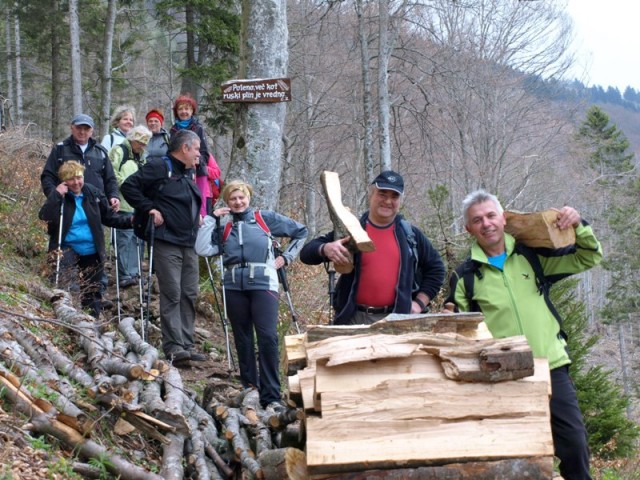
(83, 273)
(567, 427)
(257, 310)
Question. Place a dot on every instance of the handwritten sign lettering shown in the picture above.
(260, 90)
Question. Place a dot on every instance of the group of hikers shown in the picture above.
(165, 194)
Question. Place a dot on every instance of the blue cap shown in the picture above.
(389, 180)
(83, 119)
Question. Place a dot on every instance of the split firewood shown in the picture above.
(539, 229)
(493, 361)
(344, 222)
(283, 463)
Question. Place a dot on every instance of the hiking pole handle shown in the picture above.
(282, 277)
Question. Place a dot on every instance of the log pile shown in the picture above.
(421, 396)
(118, 375)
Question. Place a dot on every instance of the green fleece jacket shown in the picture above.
(510, 300)
(123, 170)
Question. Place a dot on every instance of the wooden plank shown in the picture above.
(538, 229)
(395, 324)
(306, 378)
(370, 374)
(437, 400)
(335, 446)
(294, 354)
(532, 468)
(368, 347)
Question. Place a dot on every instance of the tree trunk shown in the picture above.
(188, 85)
(9, 64)
(56, 82)
(19, 99)
(384, 51)
(106, 66)
(257, 154)
(367, 141)
(76, 59)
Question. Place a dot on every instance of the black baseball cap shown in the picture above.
(389, 180)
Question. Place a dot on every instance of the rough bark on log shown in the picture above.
(283, 464)
(172, 456)
(197, 454)
(534, 468)
(503, 359)
(147, 354)
(220, 464)
(539, 229)
(344, 222)
(232, 425)
(117, 465)
(117, 366)
(69, 412)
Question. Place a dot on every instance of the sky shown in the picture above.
(606, 40)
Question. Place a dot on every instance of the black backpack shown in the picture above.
(469, 269)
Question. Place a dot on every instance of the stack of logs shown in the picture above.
(423, 397)
(124, 379)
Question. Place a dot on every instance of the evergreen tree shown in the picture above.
(212, 33)
(606, 143)
(602, 401)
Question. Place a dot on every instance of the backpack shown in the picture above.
(213, 177)
(259, 220)
(141, 220)
(470, 269)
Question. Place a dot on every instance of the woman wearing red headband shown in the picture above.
(158, 145)
(184, 110)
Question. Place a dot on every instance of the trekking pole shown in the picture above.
(225, 325)
(152, 233)
(282, 277)
(59, 252)
(114, 242)
(140, 251)
(332, 283)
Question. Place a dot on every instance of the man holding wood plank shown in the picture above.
(509, 282)
(402, 274)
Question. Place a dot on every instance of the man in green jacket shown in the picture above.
(506, 291)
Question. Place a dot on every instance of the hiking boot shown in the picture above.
(107, 304)
(128, 282)
(179, 358)
(278, 406)
(198, 357)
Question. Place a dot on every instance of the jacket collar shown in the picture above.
(478, 254)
